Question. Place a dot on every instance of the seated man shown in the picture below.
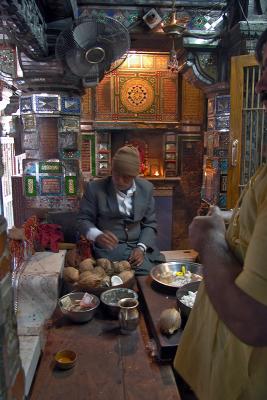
(117, 213)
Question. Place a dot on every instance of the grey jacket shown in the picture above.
(99, 208)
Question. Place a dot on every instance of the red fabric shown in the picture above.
(50, 235)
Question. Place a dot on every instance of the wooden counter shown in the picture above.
(110, 366)
(155, 299)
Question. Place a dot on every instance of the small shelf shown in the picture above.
(163, 178)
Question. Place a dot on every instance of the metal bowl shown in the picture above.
(111, 297)
(165, 273)
(79, 316)
(65, 359)
(192, 287)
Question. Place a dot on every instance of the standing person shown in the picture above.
(223, 352)
(118, 214)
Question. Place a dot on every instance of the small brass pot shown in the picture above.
(128, 315)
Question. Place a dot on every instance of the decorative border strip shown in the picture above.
(71, 185)
(30, 186)
(50, 167)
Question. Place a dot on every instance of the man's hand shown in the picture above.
(137, 257)
(204, 229)
(225, 214)
(107, 240)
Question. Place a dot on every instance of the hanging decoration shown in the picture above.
(173, 64)
(174, 28)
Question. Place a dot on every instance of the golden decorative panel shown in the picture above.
(149, 61)
(134, 61)
(192, 103)
(143, 89)
(161, 62)
(137, 95)
(87, 104)
(103, 99)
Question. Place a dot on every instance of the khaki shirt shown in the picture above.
(214, 362)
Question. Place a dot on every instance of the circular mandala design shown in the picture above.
(137, 95)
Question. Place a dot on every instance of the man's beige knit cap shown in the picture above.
(126, 161)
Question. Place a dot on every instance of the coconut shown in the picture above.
(89, 280)
(126, 275)
(106, 265)
(86, 265)
(169, 321)
(120, 266)
(70, 274)
(99, 271)
(103, 262)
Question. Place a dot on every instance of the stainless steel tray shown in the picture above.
(164, 274)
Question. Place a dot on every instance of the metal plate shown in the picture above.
(165, 273)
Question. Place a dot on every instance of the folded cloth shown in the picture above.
(49, 236)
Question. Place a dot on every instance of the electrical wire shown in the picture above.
(244, 15)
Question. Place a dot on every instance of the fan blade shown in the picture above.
(114, 50)
(64, 43)
(94, 32)
(76, 62)
(85, 34)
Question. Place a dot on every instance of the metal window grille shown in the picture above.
(254, 130)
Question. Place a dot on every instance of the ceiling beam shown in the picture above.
(214, 4)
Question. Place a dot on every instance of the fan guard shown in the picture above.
(92, 46)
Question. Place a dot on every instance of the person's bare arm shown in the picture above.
(245, 317)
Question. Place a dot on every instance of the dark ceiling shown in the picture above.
(56, 15)
(53, 10)
(37, 36)
(35, 25)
